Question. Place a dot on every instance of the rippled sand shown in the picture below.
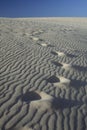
(43, 74)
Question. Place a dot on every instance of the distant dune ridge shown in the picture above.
(43, 74)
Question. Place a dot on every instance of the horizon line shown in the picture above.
(48, 17)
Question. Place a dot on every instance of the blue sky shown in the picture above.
(43, 8)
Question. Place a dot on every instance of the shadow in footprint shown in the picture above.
(30, 96)
(61, 103)
(49, 45)
(77, 83)
(54, 53)
(41, 40)
(57, 63)
(53, 79)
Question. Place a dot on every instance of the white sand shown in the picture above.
(66, 66)
(43, 74)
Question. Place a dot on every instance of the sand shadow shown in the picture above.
(77, 84)
(71, 55)
(49, 45)
(80, 68)
(30, 96)
(61, 103)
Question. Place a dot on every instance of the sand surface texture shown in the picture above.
(43, 74)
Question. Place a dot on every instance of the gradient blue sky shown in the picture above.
(43, 8)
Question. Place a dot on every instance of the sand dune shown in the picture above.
(43, 74)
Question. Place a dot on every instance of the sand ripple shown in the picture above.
(43, 74)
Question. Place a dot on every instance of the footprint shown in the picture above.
(61, 54)
(34, 38)
(53, 79)
(64, 80)
(35, 33)
(48, 102)
(59, 81)
(57, 63)
(41, 42)
(30, 96)
(38, 32)
(66, 66)
(38, 99)
(58, 53)
(41, 31)
(44, 44)
(62, 65)
(27, 34)
(69, 66)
